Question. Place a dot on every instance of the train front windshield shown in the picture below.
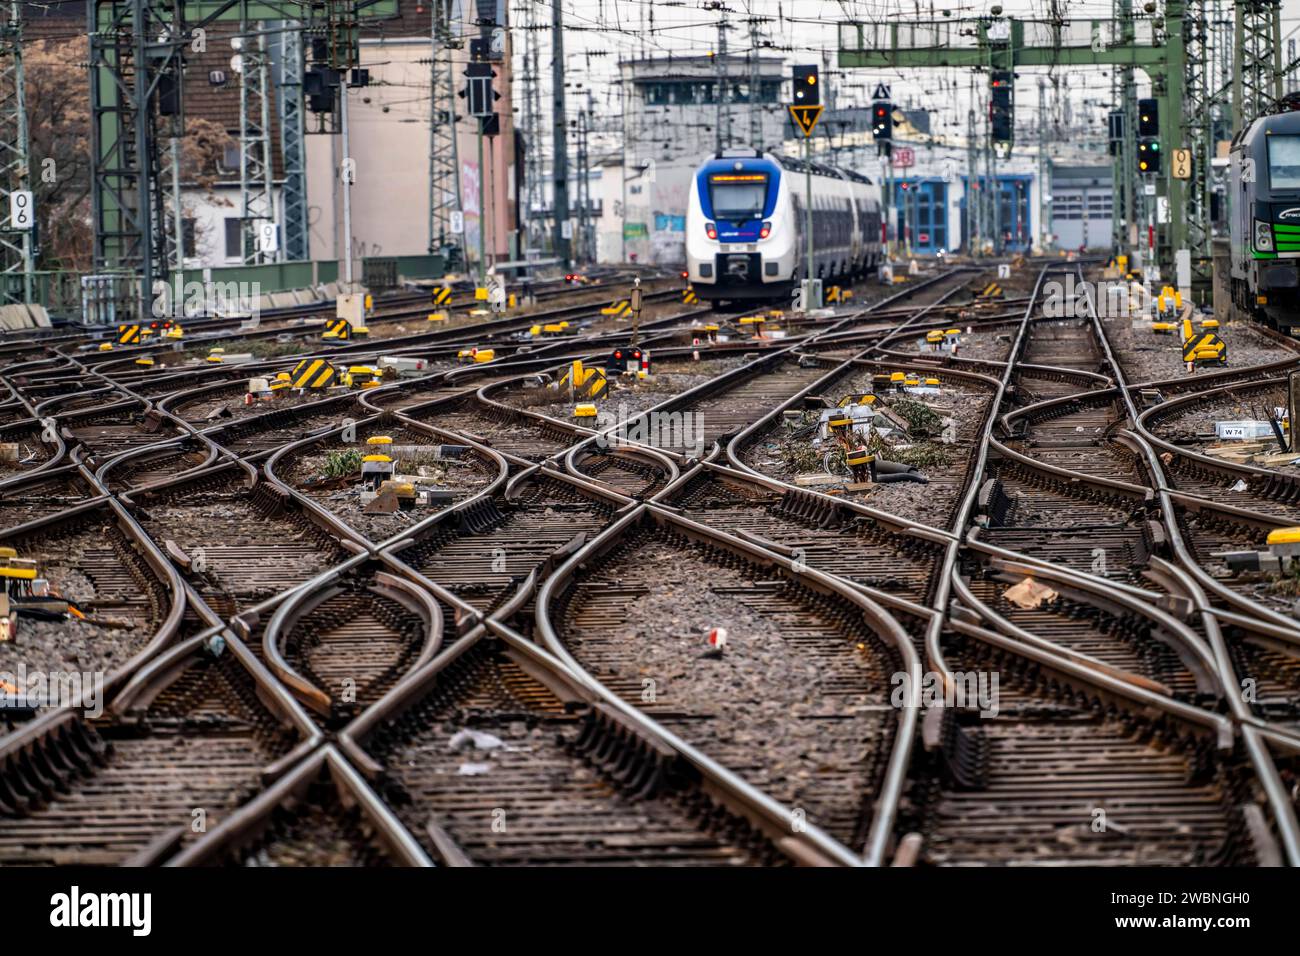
(738, 198)
(1284, 163)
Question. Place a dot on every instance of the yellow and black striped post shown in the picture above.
(1205, 348)
(442, 296)
(689, 297)
(312, 373)
(338, 330)
(128, 335)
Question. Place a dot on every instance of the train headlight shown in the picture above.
(765, 231)
(1263, 236)
(711, 230)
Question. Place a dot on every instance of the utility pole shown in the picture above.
(444, 164)
(1199, 124)
(974, 195)
(288, 92)
(178, 228)
(15, 163)
(889, 201)
(755, 87)
(1257, 69)
(1044, 190)
(995, 190)
(722, 126)
(347, 171)
(146, 145)
(255, 194)
(532, 123)
(560, 140)
(583, 251)
(482, 213)
(1135, 196)
(1121, 163)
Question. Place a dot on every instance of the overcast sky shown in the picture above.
(602, 32)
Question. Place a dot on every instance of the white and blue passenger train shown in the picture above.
(745, 223)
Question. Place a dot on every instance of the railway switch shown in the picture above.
(376, 468)
(1282, 556)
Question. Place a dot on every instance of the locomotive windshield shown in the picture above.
(1284, 163)
(738, 197)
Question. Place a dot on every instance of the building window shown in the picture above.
(658, 94)
(234, 238)
(1099, 205)
(230, 154)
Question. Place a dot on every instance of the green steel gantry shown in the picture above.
(1156, 45)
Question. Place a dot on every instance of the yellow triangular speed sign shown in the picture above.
(806, 117)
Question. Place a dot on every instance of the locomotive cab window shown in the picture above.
(1284, 162)
(738, 198)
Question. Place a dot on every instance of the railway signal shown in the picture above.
(1148, 130)
(1148, 156)
(806, 108)
(1148, 118)
(807, 91)
(882, 121)
(1002, 106)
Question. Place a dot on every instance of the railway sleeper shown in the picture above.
(963, 749)
(30, 776)
(808, 508)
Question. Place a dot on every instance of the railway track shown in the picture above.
(1057, 778)
(236, 546)
(134, 785)
(497, 765)
(519, 672)
(800, 671)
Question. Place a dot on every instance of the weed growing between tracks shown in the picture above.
(341, 464)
